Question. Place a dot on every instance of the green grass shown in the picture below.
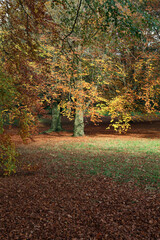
(135, 161)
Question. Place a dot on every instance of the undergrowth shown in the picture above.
(8, 155)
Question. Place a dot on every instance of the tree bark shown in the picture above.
(55, 120)
(78, 123)
(79, 113)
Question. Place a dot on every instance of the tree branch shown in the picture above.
(20, 2)
(75, 21)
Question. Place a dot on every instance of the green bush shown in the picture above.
(8, 155)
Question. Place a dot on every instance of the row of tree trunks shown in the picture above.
(56, 121)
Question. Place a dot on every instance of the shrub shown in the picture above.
(8, 155)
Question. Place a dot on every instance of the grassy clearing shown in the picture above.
(135, 161)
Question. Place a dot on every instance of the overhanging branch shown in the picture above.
(75, 21)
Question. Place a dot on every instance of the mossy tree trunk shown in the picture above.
(78, 123)
(56, 119)
(79, 104)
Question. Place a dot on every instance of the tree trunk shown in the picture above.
(79, 114)
(78, 123)
(56, 119)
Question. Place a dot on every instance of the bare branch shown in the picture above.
(75, 21)
(20, 2)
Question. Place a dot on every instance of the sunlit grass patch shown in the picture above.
(123, 160)
(136, 161)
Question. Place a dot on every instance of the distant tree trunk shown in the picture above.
(78, 123)
(56, 119)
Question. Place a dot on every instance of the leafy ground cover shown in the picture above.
(123, 160)
(101, 186)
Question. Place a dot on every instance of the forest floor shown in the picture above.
(100, 186)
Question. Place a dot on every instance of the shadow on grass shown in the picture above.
(123, 161)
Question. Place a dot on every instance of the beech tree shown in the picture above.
(88, 25)
(20, 21)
